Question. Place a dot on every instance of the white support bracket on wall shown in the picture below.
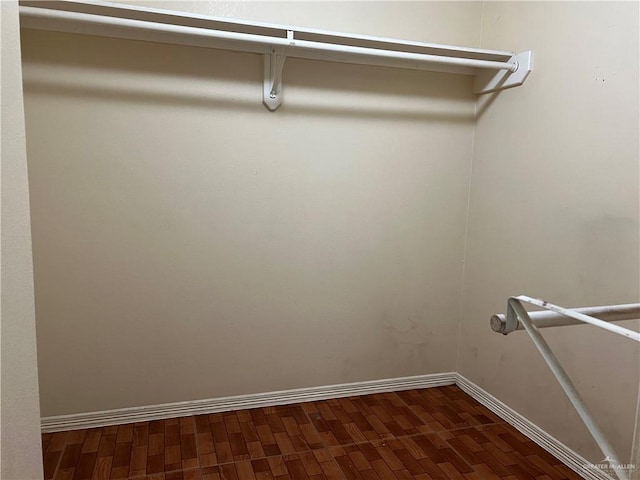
(488, 81)
(494, 70)
(273, 67)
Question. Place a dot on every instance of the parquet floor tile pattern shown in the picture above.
(435, 433)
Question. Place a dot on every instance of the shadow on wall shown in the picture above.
(484, 102)
(127, 71)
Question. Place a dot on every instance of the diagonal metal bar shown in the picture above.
(625, 332)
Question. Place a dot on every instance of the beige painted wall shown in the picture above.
(190, 244)
(554, 213)
(20, 457)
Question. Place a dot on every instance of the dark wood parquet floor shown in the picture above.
(435, 433)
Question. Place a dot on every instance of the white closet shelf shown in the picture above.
(494, 70)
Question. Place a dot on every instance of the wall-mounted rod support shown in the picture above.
(272, 84)
(273, 67)
(548, 318)
(281, 57)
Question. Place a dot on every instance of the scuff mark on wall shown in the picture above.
(407, 331)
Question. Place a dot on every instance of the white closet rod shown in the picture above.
(550, 318)
(291, 44)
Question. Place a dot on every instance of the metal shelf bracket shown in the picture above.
(493, 81)
(273, 67)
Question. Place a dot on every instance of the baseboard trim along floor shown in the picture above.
(285, 397)
(240, 402)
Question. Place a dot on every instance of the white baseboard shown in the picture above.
(552, 445)
(255, 400)
(286, 397)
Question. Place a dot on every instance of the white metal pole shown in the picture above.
(567, 386)
(292, 44)
(547, 318)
